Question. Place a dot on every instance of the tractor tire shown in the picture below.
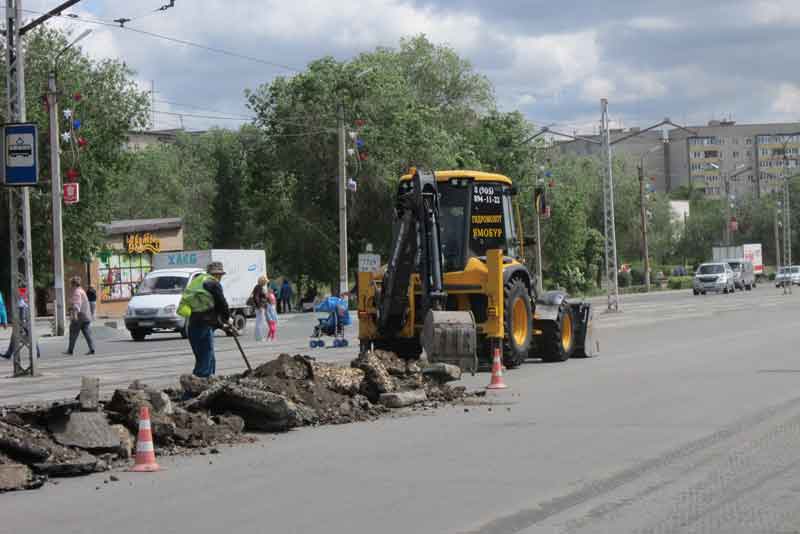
(558, 337)
(517, 323)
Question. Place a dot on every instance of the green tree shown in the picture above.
(110, 106)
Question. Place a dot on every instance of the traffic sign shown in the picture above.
(20, 154)
(369, 263)
(72, 193)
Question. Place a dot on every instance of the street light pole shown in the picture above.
(787, 221)
(56, 193)
(343, 275)
(643, 216)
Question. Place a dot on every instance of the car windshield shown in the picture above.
(795, 270)
(735, 265)
(162, 285)
(711, 269)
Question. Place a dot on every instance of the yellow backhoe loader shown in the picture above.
(454, 282)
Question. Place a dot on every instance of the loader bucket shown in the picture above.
(450, 337)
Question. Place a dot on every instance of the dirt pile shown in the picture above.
(76, 438)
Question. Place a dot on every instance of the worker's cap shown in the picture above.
(75, 280)
(215, 267)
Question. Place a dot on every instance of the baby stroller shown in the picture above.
(332, 324)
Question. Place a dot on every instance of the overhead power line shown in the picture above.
(119, 25)
(228, 118)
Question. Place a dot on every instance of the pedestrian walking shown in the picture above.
(272, 316)
(285, 297)
(91, 293)
(22, 306)
(80, 317)
(4, 322)
(260, 300)
(203, 302)
(3, 313)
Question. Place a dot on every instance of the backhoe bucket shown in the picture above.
(450, 337)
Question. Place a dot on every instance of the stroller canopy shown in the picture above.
(335, 305)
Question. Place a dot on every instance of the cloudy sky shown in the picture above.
(690, 60)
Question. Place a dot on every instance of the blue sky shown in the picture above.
(688, 60)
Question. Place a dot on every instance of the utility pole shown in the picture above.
(787, 220)
(643, 215)
(19, 203)
(343, 278)
(608, 214)
(777, 242)
(24, 328)
(56, 193)
(726, 231)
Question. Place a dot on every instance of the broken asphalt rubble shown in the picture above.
(85, 436)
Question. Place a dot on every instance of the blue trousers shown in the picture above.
(201, 337)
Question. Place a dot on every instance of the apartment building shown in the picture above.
(751, 158)
(648, 148)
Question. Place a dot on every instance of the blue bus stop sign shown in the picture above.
(20, 155)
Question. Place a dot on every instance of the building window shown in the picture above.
(735, 155)
(748, 141)
(120, 273)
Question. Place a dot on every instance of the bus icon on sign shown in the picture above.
(20, 149)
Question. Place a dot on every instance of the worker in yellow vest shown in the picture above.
(203, 304)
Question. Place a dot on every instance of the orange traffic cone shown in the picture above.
(497, 371)
(145, 452)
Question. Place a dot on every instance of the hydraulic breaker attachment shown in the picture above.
(450, 337)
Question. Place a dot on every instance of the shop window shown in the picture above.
(120, 273)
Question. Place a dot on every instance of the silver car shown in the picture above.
(717, 277)
(743, 273)
(787, 275)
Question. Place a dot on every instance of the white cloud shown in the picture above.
(653, 23)
(775, 12)
(554, 60)
(787, 99)
(596, 88)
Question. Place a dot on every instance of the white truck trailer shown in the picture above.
(749, 252)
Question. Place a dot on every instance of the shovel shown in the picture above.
(235, 336)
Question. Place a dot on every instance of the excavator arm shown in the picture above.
(447, 335)
(417, 241)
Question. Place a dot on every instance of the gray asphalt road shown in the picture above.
(158, 360)
(689, 421)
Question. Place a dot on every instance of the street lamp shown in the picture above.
(644, 217)
(55, 170)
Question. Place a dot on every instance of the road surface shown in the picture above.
(689, 421)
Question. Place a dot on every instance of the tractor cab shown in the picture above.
(475, 215)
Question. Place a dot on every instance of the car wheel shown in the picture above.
(696, 292)
(138, 335)
(702, 292)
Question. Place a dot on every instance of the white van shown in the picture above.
(154, 306)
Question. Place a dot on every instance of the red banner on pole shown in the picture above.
(71, 193)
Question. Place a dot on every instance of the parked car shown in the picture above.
(744, 276)
(717, 277)
(788, 275)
